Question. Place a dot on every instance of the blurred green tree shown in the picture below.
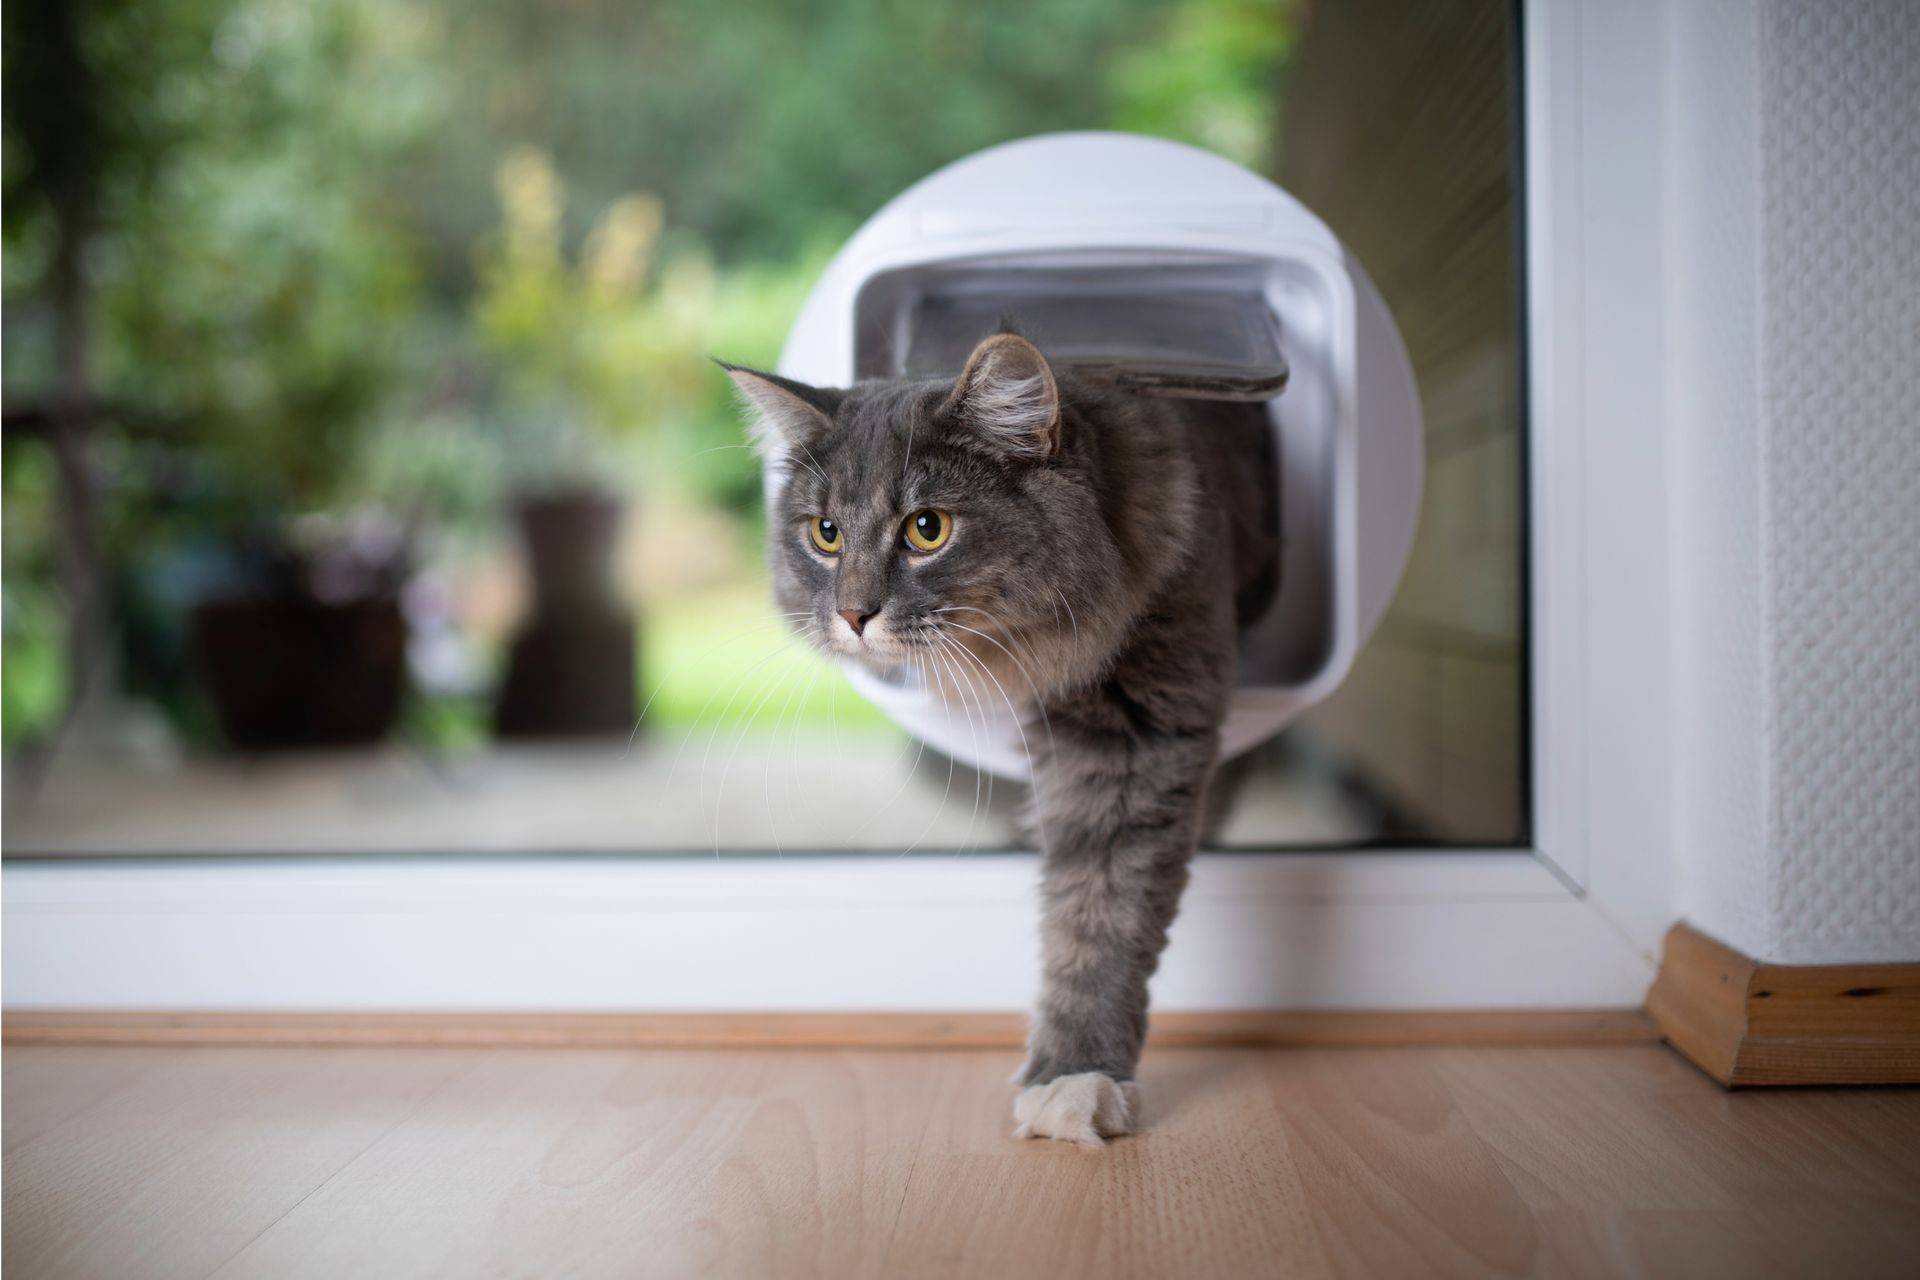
(763, 127)
(86, 129)
(259, 237)
(603, 345)
(206, 288)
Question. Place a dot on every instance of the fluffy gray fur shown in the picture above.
(1105, 548)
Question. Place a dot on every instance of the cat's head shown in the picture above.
(914, 516)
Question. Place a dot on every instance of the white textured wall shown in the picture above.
(1794, 292)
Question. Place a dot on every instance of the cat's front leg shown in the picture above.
(1119, 816)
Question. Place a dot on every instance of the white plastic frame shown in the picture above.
(1573, 922)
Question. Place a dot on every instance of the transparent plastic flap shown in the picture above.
(1160, 332)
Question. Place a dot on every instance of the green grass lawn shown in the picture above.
(721, 659)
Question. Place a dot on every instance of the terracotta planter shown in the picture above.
(571, 669)
(296, 672)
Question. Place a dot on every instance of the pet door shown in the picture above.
(1234, 292)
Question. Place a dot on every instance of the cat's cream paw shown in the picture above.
(1084, 1108)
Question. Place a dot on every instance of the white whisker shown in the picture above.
(1025, 648)
(974, 729)
(766, 763)
(913, 771)
(1017, 721)
(740, 736)
(701, 714)
(818, 470)
(1069, 604)
(760, 623)
(938, 813)
(1032, 685)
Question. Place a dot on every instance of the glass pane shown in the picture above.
(368, 487)
(1402, 132)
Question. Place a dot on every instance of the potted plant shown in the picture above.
(309, 647)
(203, 241)
(269, 355)
(586, 353)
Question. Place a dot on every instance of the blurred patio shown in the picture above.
(705, 795)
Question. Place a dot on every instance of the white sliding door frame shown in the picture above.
(1571, 923)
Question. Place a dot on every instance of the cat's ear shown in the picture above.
(1007, 393)
(781, 412)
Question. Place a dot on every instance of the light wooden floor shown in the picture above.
(127, 1163)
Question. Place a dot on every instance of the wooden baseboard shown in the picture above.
(1748, 1023)
(818, 1030)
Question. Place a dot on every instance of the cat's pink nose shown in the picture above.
(857, 619)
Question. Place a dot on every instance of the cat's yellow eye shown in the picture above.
(928, 530)
(825, 534)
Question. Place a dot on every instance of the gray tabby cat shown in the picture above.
(1093, 553)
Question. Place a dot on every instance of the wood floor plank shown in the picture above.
(45, 1088)
(1591, 1163)
(978, 1202)
(1570, 1133)
(622, 1163)
(1398, 1181)
(1657, 1171)
(174, 1174)
(1216, 1189)
(1692, 1244)
(1875, 1130)
(1209, 1189)
(1799, 1150)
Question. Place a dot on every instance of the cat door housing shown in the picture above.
(1168, 269)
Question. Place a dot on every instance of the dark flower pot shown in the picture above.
(571, 669)
(287, 672)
